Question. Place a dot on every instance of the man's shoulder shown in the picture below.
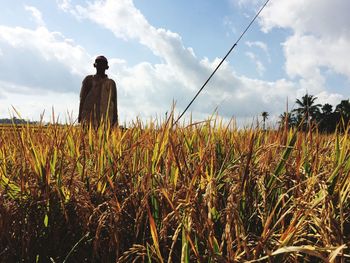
(111, 81)
(88, 78)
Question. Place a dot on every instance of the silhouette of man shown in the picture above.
(98, 97)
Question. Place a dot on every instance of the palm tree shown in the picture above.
(287, 118)
(307, 110)
(327, 109)
(342, 112)
(343, 108)
(264, 115)
(327, 119)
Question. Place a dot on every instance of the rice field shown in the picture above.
(206, 192)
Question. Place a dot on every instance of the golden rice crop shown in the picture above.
(207, 192)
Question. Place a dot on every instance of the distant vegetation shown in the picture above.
(157, 193)
(15, 120)
(323, 117)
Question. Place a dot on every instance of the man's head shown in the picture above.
(101, 63)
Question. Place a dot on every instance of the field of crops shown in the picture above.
(157, 193)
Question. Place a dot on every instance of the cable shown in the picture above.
(218, 66)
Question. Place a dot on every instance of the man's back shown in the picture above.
(98, 98)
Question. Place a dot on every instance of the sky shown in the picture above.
(160, 53)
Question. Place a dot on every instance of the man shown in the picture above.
(98, 97)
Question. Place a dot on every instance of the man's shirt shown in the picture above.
(98, 100)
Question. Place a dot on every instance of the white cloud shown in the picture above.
(40, 69)
(36, 14)
(319, 42)
(333, 99)
(64, 4)
(259, 65)
(261, 45)
(127, 22)
(52, 46)
(320, 17)
(306, 54)
(258, 44)
(321, 34)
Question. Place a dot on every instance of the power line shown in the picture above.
(224, 58)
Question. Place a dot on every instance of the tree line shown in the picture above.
(310, 114)
(15, 120)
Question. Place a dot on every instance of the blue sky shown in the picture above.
(161, 51)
